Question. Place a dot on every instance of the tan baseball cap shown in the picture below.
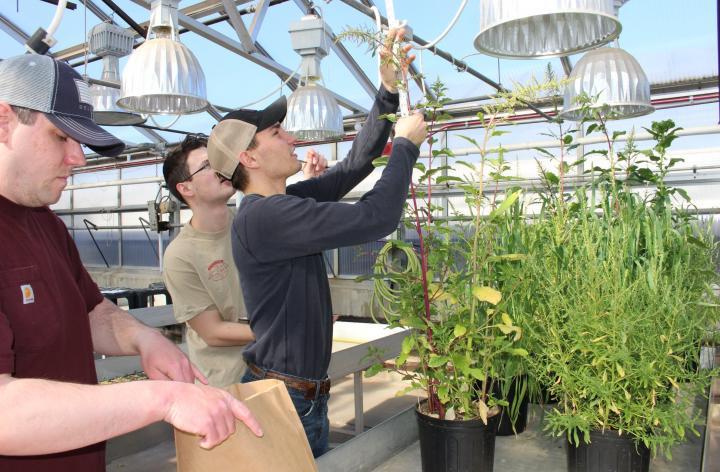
(227, 140)
(235, 132)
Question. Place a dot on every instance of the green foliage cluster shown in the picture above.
(618, 293)
(603, 295)
(449, 289)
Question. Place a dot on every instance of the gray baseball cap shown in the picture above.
(54, 88)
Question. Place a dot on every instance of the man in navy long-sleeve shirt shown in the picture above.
(279, 234)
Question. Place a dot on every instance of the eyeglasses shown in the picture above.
(205, 165)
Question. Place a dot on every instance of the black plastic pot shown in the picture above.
(456, 446)
(505, 426)
(608, 451)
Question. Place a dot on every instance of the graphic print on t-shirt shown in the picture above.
(218, 270)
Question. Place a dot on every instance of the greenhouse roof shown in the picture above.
(675, 42)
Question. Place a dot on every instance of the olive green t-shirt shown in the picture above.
(200, 275)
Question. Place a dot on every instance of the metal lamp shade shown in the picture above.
(164, 77)
(522, 29)
(313, 114)
(615, 78)
(105, 110)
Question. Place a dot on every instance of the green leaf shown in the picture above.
(470, 140)
(443, 393)
(373, 370)
(507, 257)
(518, 351)
(567, 139)
(478, 374)
(448, 178)
(407, 345)
(498, 132)
(552, 178)
(487, 294)
(466, 164)
(544, 151)
(437, 361)
(506, 204)
(617, 134)
(683, 193)
(460, 330)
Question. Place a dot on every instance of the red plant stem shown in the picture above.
(434, 404)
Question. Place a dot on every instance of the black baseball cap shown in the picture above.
(54, 88)
(261, 119)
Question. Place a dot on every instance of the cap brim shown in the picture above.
(85, 131)
(274, 113)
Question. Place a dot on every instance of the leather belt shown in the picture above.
(308, 387)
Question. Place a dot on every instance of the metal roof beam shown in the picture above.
(13, 30)
(238, 25)
(97, 11)
(150, 134)
(199, 10)
(260, 10)
(263, 61)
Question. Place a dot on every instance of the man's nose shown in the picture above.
(75, 155)
(289, 138)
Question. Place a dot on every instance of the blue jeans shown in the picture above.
(313, 415)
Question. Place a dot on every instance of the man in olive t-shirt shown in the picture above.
(198, 266)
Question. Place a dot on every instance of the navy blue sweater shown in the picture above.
(278, 242)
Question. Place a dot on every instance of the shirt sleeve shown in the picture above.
(189, 296)
(285, 226)
(367, 146)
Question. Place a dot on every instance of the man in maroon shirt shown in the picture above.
(53, 416)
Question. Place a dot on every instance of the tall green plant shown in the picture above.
(620, 288)
(448, 288)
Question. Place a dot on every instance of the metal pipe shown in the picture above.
(697, 131)
(110, 183)
(121, 13)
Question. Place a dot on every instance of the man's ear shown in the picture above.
(7, 116)
(248, 160)
(185, 189)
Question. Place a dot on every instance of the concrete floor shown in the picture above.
(530, 451)
(380, 403)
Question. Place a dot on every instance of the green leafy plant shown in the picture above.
(448, 287)
(620, 287)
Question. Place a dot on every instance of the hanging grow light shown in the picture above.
(110, 42)
(522, 29)
(163, 76)
(313, 114)
(613, 79)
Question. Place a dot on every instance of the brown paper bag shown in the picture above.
(283, 447)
